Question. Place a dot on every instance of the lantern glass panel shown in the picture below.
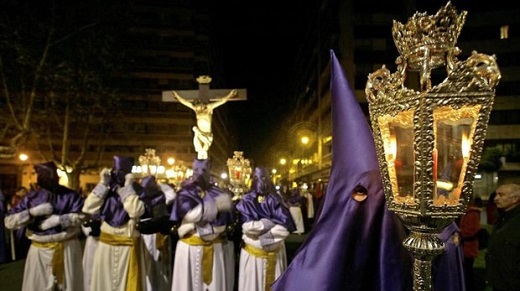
(398, 141)
(454, 130)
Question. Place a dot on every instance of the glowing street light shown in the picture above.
(170, 161)
(23, 157)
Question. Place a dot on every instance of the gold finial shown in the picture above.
(437, 33)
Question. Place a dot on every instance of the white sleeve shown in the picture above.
(17, 220)
(133, 205)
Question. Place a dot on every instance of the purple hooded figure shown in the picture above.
(201, 213)
(115, 199)
(266, 223)
(356, 243)
(47, 176)
(53, 217)
(113, 211)
(58, 198)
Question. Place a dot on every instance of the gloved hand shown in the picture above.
(268, 224)
(50, 222)
(127, 190)
(224, 202)
(168, 191)
(104, 176)
(42, 209)
(101, 188)
(129, 179)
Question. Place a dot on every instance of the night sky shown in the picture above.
(258, 41)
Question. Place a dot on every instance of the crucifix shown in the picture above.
(202, 102)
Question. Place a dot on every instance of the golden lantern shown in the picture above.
(239, 174)
(429, 138)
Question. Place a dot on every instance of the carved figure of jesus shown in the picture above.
(203, 137)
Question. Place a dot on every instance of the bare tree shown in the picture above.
(57, 61)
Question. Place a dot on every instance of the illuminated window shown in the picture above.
(504, 32)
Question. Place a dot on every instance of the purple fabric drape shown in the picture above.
(353, 245)
(188, 197)
(271, 208)
(447, 269)
(63, 200)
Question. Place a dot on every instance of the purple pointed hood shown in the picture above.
(353, 245)
(121, 166)
(47, 175)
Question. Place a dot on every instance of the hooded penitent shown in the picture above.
(121, 167)
(262, 201)
(196, 192)
(47, 176)
(201, 172)
(356, 243)
(262, 183)
(353, 245)
(113, 212)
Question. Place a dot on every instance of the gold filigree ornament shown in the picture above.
(429, 137)
(239, 173)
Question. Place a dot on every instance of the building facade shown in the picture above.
(360, 33)
(168, 45)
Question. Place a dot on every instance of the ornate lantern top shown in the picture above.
(239, 172)
(437, 33)
(149, 162)
(429, 137)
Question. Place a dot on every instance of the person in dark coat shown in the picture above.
(503, 252)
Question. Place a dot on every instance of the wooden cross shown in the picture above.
(204, 93)
(201, 102)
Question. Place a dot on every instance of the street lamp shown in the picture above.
(23, 157)
(305, 140)
(429, 139)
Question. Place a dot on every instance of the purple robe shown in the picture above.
(271, 208)
(63, 201)
(113, 211)
(447, 268)
(188, 197)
